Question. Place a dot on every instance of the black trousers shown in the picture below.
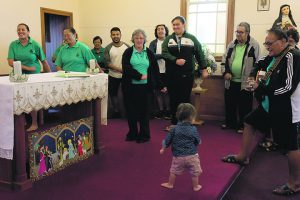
(179, 89)
(137, 110)
(284, 131)
(238, 103)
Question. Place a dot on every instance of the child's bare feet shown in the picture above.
(197, 188)
(167, 185)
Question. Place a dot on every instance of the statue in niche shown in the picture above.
(285, 19)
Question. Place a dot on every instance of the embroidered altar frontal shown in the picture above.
(56, 148)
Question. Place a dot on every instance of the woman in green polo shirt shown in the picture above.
(29, 52)
(98, 52)
(140, 77)
(74, 56)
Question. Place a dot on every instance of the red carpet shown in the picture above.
(126, 170)
(266, 171)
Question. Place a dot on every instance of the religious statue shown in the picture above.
(285, 19)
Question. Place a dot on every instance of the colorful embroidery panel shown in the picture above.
(58, 147)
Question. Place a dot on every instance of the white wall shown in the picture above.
(91, 18)
(261, 21)
(98, 17)
(14, 12)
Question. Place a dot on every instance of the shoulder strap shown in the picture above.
(274, 66)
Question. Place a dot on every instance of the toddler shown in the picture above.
(184, 139)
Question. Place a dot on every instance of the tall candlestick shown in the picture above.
(17, 68)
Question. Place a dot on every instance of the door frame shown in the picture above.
(44, 11)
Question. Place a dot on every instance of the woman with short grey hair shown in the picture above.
(139, 32)
(140, 77)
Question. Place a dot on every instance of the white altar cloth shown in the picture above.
(42, 91)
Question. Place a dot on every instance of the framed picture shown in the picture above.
(263, 5)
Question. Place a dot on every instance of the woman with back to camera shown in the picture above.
(293, 38)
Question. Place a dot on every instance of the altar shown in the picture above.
(41, 92)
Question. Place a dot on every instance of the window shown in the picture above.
(207, 20)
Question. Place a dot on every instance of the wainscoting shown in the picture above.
(212, 101)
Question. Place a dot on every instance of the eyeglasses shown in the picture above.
(268, 44)
(239, 32)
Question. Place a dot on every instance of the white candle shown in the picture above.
(92, 64)
(17, 68)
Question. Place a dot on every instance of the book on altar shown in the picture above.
(67, 74)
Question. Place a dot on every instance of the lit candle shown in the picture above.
(17, 68)
(92, 64)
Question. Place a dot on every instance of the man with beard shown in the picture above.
(113, 57)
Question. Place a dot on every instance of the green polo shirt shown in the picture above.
(99, 56)
(140, 62)
(29, 55)
(265, 103)
(57, 51)
(237, 63)
(75, 58)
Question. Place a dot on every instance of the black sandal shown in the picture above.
(284, 190)
(268, 145)
(232, 159)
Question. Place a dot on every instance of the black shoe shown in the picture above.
(167, 115)
(159, 115)
(240, 131)
(130, 139)
(116, 115)
(142, 140)
(224, 126)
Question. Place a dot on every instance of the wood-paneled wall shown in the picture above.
(212, 101)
